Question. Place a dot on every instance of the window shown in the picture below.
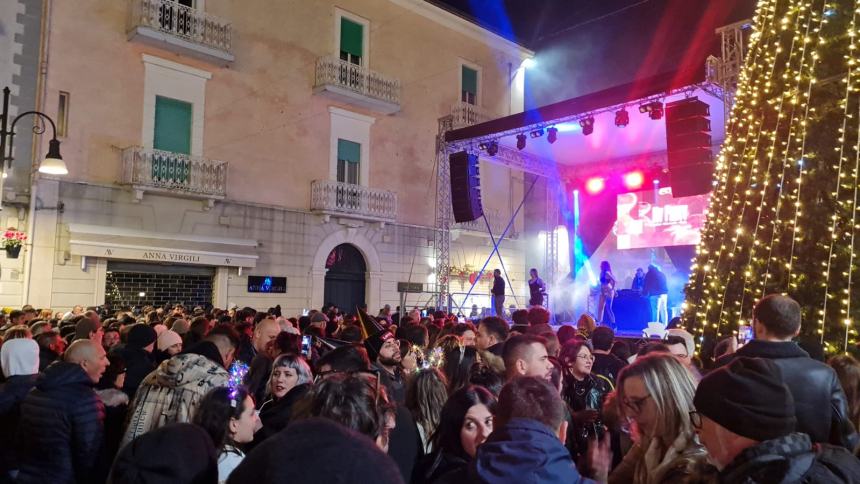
(175, 17)
(173, 120)
(63, 115)
(351, 41)
(348, 161)
(469, 85)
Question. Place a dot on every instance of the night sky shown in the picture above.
(583, 46)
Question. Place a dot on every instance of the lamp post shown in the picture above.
(53, 163)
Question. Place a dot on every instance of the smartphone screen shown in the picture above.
(306, 346)
(744, 334)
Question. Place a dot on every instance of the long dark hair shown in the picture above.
(458, 364)
(447, 436)
(215, 412)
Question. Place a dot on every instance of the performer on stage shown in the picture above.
(638, 280)
(607, 294)
(537, 289)
(498, 293)
(658, 293)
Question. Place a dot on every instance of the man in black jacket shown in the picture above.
(657, 291)
(498, 293)
(745, 417)
(821, 407)
(61, 432)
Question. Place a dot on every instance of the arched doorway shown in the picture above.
(345, 278)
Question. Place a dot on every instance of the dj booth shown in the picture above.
(632, 312)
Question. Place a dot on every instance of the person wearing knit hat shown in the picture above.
(745, 417)
(170, 342)
(19, 359)
(180, 453)
(384, 352)
(138, 357)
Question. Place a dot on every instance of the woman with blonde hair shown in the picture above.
(656, 396)
(585, 325)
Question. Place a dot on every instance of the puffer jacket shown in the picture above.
(60, 435)
(171, 393)
(820, 404)
(12, 393)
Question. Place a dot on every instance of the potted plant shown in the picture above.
(13, 239)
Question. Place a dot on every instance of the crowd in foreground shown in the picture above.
(181, 395)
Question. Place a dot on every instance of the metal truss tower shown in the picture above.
(442, 240)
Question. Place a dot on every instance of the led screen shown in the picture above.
(647, 220)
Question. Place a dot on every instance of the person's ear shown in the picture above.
(562, 432)
(521, 367)
(233, 426)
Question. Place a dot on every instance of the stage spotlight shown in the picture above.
(595, 185)
(492, 148)
(587, 125)
(634, 180)
(536, 133)
(656, 111)
(551, 135)
(521, 141)
(644, 108)
(483, 146)
(622, 118)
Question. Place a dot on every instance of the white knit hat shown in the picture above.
(19, 356)
(168, 338)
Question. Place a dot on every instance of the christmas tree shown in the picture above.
(784, 214)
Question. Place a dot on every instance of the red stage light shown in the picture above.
(634, 180)
(595, 185)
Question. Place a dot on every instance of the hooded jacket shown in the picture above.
(12, 393)
(60, 434)
(524, 451)
(171, 393)
(820, 404)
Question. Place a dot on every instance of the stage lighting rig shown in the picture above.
(634, 180)
(551, 134)
(587, 125)
(521, 141)
(492, 148)
(595, 185)
(536, 133)
(622, 118)
(654, 109)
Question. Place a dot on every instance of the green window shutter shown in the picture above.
(351, 37)
(470, 81)
(348, 151)
(172, 125)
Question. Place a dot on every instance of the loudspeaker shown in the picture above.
(465, 187)
(688, 144)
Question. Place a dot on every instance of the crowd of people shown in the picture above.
(190, 395)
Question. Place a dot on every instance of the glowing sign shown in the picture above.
(268, 284)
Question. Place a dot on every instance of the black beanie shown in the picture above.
(374, 343)
(141, 336)
(748, 398)
(176, 453)
(316, 450)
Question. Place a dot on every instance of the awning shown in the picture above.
(127, 244)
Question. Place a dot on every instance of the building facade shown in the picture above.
(252, 153)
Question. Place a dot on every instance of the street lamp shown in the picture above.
(53, 163)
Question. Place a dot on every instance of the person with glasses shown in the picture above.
(656, 397)
(745, 417)
(584, 393)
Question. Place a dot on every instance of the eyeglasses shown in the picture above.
(635, 404)
(696, 420)
(585, 357)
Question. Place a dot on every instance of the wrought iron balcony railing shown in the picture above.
(465, 114)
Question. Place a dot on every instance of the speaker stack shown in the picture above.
(465, 187)
(688, 142)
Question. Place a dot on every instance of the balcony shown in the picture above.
(156, 171)
(354, 84)
(180, 29)
(355, 201)
(465, 114)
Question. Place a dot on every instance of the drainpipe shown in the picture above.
(42, 93)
